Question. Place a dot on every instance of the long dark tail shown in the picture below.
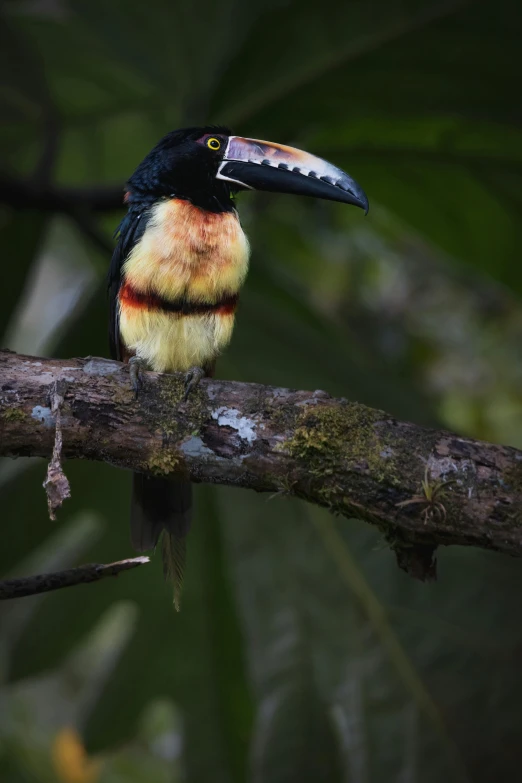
(160, 506)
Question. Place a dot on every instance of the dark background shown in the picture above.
(301, 653)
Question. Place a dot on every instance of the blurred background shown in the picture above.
(301, 652)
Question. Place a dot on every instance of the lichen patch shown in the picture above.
(43, 415)
(230, 417)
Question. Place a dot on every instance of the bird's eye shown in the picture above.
(213, 143)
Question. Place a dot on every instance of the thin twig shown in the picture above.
(22, 194)
(43, 583)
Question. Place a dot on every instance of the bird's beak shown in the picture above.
(263, 165)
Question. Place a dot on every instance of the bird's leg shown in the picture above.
(136, 367)
(192, 378)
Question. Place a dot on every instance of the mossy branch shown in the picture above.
(421, 487)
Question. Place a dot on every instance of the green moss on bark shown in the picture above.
(166, 399)
(13, 414)
(329, 440)
(327, 436)
(163, 462)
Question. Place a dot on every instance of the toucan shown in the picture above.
(175, 276)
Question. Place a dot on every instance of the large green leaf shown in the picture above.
(396, 672)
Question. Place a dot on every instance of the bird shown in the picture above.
(180, 261)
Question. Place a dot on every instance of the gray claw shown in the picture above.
(192, 378)
(136, 367)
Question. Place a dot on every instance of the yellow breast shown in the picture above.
(187, 251)
(185, 255)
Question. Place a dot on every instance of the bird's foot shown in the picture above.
(136, 368)
(192, 378)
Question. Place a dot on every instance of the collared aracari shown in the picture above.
(176, 272)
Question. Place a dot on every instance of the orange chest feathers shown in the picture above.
(189, 253)
(179, 286)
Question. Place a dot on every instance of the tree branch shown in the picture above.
(421, 487)
(44, 583)
(23, 194)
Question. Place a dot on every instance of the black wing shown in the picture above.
(129, 233)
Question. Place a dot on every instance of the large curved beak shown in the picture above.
(263, 165)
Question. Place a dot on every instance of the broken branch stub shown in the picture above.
(56, 484)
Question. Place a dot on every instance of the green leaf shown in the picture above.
(334, 629)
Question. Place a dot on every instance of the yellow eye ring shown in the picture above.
(213, 144)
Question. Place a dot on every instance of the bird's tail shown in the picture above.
(162, 508)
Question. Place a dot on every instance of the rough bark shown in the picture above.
(421, 487)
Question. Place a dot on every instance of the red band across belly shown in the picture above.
(129, 297)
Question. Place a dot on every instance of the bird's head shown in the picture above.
(208, 165)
